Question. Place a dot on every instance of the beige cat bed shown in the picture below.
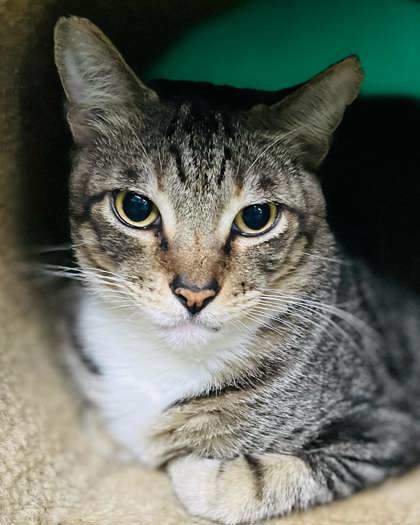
(53, 469)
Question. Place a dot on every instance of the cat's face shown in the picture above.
(189, 217)
(199, 175)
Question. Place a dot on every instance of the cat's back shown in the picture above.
(393, 312)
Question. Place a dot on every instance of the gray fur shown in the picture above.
(329, 392)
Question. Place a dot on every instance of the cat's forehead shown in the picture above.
(199, 142)
(198, 119)
(200, 160)
(197, 149)
(211, 157)
(198, 153)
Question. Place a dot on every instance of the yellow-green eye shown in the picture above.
(256, 219)
(134, 209)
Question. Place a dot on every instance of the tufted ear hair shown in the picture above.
(94, 75)
(307, 118)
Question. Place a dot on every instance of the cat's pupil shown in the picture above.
(256, 216)
(136, 207)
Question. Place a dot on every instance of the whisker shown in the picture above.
(87, 271)
(328, 259)
(67, 275)
(59, 247)
(273, 297)
(351, 319)
(264, 310)
(262, 320)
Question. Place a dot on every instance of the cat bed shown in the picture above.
(55, 467)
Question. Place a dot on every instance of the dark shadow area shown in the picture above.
(372, 184)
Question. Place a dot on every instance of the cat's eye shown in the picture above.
(256, 219)
(134, 209)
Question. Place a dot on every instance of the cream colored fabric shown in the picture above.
(53, 470)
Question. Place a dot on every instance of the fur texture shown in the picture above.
(297, 384)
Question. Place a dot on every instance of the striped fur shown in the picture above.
(298, 384)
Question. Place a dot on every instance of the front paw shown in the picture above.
(195, 481)
(246, 489)
(213, 489)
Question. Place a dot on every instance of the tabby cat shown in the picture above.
(220, 329)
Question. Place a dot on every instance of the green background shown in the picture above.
(270, 44)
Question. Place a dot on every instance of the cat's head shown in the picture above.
(190, 217)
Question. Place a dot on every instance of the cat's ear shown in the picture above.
(94, 75)
(308, 116)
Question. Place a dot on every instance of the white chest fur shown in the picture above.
(141, 375)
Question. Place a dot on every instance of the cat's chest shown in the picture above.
(138, 380)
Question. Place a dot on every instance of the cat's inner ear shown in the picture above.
(308, 116)
(94, 75)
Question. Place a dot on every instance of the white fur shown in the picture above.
(145, 369)
(230, 496)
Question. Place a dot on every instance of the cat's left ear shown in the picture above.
(308, 117)
(94, 75)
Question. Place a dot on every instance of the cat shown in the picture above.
(221, 330)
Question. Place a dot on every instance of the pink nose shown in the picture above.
(193, 297)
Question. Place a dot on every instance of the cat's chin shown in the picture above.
(187, 333)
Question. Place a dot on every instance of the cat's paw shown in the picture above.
(194, 481)
(242, 490)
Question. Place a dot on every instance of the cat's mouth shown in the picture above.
(188, 332)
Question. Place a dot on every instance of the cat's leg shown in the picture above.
(340, 461)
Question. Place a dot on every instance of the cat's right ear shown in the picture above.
(94, 76)
(306, 119)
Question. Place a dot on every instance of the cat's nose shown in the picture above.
(194, 297)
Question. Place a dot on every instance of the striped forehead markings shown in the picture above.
(207, 125)
(227, 156)
(176, 154)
